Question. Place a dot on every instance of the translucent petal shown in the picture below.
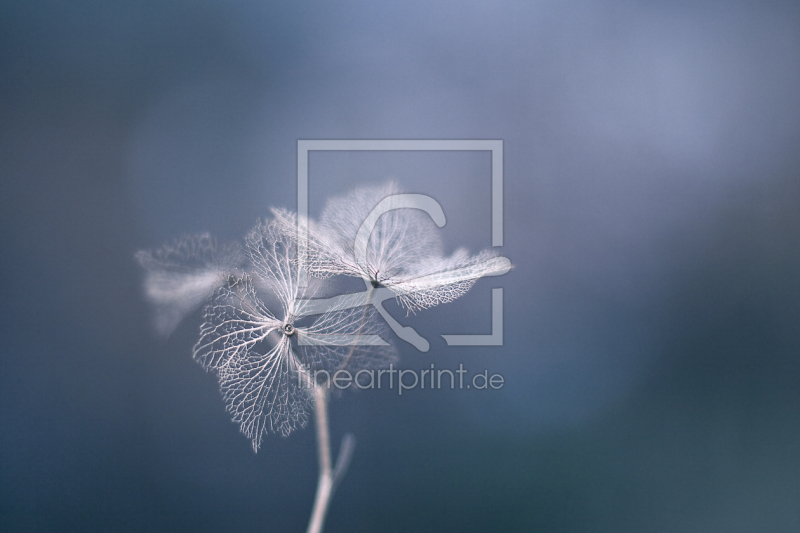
(235, 320)
(264, 393)
(349, 339)
(447, 278)
(181, 275)
(401, 237)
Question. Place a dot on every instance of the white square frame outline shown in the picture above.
(495, 146)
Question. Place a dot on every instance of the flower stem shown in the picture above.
(329, 477)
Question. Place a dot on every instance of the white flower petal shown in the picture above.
(181, 275)
(400, 238)
(265, 392)
(448, 278)
(235, 321)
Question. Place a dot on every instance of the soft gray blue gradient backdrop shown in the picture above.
(652, 185)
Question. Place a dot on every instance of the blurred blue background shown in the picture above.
(652, 185)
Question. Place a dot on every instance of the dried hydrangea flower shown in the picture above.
(269, 358)
(389, 240)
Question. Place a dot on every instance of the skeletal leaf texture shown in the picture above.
(444, 279)
(404, 251)
(401, 238)
(268, 362)
(180, 276)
